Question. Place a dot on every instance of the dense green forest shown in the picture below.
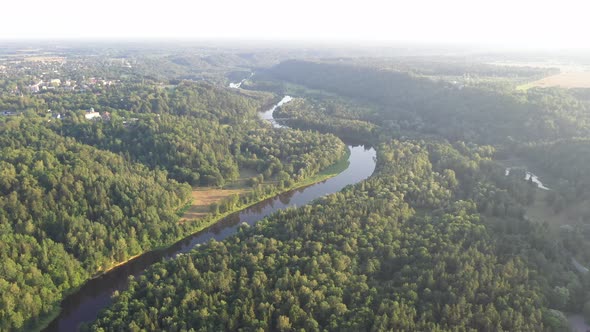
(69, 210)
(440, 238)
(404, 250)
(343, 118)
(79, 196)
(546, 127)
(203, 136)
(560, 214)
(455, 112)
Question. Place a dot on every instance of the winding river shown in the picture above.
(85, 304)
(239, 84)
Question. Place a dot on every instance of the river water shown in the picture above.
(85, 304)
(238, 85)
(528, 176)
(269, 115)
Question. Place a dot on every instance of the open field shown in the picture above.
(574, 79)
(45, 59)
(204, 197)
(572, 75)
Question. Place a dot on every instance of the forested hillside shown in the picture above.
(438, 239)
(79, 196)
(559, 228)
(204, 135)
(344, 118)
(400, 251)
(67, 211)
(456, 112)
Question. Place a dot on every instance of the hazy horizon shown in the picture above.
(502, 24)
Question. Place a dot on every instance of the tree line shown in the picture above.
(78, 196)
(404, 250)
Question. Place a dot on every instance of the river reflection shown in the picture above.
(85, 304)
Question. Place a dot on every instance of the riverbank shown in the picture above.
(45, 320)
(356, 164)
(202, 198)
(327, 173)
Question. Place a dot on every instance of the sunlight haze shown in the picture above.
(283, 165)
(537, 24)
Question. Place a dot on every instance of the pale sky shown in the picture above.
(525, 23)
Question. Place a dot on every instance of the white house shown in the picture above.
(91, 114)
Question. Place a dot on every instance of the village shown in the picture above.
(22, 76)
(38, 74)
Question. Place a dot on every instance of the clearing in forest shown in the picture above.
(573, 79)
(204, 197)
